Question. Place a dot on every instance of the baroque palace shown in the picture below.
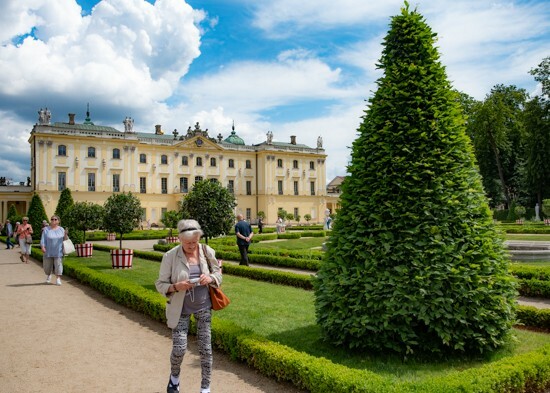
(95, 161)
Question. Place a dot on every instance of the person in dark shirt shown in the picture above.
(244, 233)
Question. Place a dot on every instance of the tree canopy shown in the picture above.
(122, 213)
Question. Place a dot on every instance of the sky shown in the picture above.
(293, 67)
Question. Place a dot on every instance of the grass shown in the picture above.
(287, 315)
(528, 237)
(304, 243)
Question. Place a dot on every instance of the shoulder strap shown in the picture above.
(205, 252)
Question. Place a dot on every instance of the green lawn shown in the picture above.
(528, 237)
(305, 243)
(286, 315)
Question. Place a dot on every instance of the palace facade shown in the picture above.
(95, 161)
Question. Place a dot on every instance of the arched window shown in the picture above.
(164, 159)
(199, 161)
(116, 154)
(212, 161)
(231, 163)
(91, 152)
(184, 160)
(143, 158)
(61, 150)
(248, 164)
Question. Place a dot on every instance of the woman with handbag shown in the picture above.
(186, 272)
(24, 232)
(51, 243)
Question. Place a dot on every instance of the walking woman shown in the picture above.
(24, 230)
(51, 243)
(185, 274)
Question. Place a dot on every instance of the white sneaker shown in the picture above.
(207, 390)
(48, 278)
(58, 281)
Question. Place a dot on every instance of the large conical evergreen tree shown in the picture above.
(36, 215)
(414, 263)
(65, 204)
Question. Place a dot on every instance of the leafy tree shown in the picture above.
(289, 217)
(36, 214)
(307, 217)
(64, 204)
(282, 213)
(414, 262)
(542, 75)
(122, 213)
(546, 208)
(212, 206)
(261, 214)
(13, 216)
(520, 211)
(83, 216)
(170, 220)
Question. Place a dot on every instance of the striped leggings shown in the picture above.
(179, 344)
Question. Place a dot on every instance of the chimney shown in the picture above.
(71, 118)
(158, 131)
(293, 139)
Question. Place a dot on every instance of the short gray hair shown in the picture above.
(188, 229)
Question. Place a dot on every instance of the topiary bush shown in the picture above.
(36, 214)
(414, 262)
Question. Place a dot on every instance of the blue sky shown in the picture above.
(301, 68)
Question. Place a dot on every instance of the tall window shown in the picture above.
(143, 158)
(91, 152)
(231, 163)
(184, 184)
(212, 161)
(164, 185)
(116, 154)
(248, 187)
(143, 185)
(61, 150)
(184, 160)
(164, 159)
(163, 212)
(296, 214)
(312, 187)
(248, 213)
(296, 188)
(116, 182)
(295, 164)
(231, 186)
(61, 181)
(279, 163)
(198, 179)
(248, 164)
(280, 187)
(199, 161)
(91, 181)
(312, 165)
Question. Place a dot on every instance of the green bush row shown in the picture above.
(305, 228)
(296, 280)
(525, 228)
(299, 254)
(292, 235)
(534, 288)
(150, 255)
(273, 260)
(531, 272)
(528, 372)
(534, 317)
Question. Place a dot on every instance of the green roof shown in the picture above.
(234, 139)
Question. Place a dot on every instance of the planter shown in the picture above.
(172, 239)
(519, 221)
(84, 250)
(122, 259)
(111, 237)
(547, 221)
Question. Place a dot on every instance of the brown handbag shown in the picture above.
(218, 299)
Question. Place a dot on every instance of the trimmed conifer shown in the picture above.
(414, 262)
(36, 214)
(64, 204)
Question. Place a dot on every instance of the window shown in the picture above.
(164, 159)
(248, 164)
(295, 164)
(143, 185)
(231, 186)
(184, 184)
(248, 187)
(198, 179)
(248, 213)
(231, 163)
(280, 187)
(296, 188)
(163, 212)
(296, 214)
(164, 185)
(116, 154)
(143, 158)
(91, 181)
(61, 150)
(184, 160)
(143, 214)
(213, 161)
(312, 187)
(213, 180)
(91, 152)
(279, 163)
(312, 165)
(116, 182)
(61, 181)
(199, 161)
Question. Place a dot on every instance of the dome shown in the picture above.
(234, 139)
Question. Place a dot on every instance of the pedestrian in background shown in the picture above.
(51, 243)
(9, 234)
(24, 231)
(244, 233)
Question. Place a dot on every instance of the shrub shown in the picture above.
(36, 215)
(122, 214)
